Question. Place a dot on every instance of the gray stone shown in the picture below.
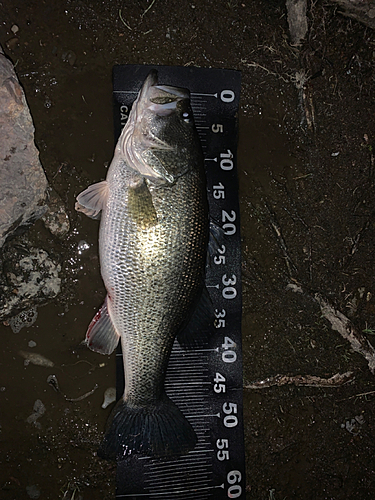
(29, 277)
(56, 219)
(361, 10)
(297, 20)
(33, 491)
(22, 180)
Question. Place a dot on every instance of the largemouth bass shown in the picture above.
(153, 245)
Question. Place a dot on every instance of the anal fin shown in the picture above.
(101, 335)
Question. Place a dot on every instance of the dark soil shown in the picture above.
(306, 167)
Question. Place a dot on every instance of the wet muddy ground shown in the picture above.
(306, 169)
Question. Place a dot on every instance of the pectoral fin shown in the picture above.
(141, 207)
(92, 200)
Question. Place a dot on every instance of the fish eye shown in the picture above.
(186, 117)
(162, 100)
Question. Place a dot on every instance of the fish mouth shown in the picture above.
(160, 99)
(139, 141)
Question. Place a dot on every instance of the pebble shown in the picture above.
(82, 247)
(23, 319)
(39, 410)
(69, 57)
(109, 397)
(33, 491)
(36, 359)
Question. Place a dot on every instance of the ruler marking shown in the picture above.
(182, 462)
(182, 381)
(188, 353)
(191, 464)
(199, 400)
(196, 372)
(190, 369)
(187, 460)
(194, 490)
(190, 393)
(163, 483)
(173, 491)
(194, 462)
(193, 390)
(168, 488)
(165, 479)
(198, 375)
(202, 416)
(197, 94)
(207, 450)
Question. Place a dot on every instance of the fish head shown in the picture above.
(160, 141)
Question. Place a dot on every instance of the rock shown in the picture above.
(36, 359)
(109, 397)
(29, 277)
(56, 219)
(33, 491)
(39, 411)
(297, 20)
(361, 10)
(23, 183)
(23, 319)
(69, 57)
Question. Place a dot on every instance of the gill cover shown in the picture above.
(139, 142)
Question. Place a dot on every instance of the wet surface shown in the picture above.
(306, 171)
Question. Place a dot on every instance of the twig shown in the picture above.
(84, 396)
(53, 382)
(356, 240)
(347, 330)
(302, 177)
(123, 22)
(362, 394)
(148, 8)
(269, 72)
(343, 325)
(302, 380)
(276, 227)
(308, 107)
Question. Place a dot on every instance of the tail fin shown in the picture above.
(160, 430)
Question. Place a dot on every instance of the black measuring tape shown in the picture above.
(205, 382)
